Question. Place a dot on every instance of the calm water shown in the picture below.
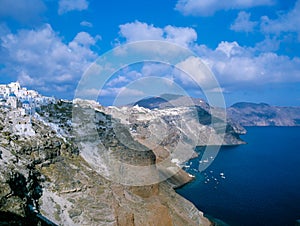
(261, 182)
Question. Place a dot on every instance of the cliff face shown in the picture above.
(184, 116)
(251, 114)
(56, 176)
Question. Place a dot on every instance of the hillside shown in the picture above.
(252, 114)
(79, 163)
(50, 176)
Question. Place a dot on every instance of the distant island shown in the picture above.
(251, 114)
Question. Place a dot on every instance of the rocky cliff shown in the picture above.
(252, 114)
(186, 115)
(57, 175)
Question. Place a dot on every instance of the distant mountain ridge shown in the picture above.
(262, 114)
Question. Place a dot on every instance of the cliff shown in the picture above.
(57, 174)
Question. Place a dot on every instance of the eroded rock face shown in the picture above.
(56, 176)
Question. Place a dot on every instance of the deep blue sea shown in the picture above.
(261, 181)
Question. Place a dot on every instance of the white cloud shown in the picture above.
(209, 7)
(117, 81)
(194, 74)
(40, 57)
(27, 11)
(123, 77)
(183, 36)
(156, 69)
(268, 44)
(86, 24)
(233, 65)
(287, 22)
(65, 6)
(138, 31)
(274, 29)
(236, 66)
(24, 78)
(229, 48)
(243, 23)
(85, 39)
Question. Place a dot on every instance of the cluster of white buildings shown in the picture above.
(22, 105)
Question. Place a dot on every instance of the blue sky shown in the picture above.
(252, 46)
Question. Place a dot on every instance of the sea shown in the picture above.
(253, 184)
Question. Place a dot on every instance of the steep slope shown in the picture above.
(56, 175)
(173, 131)
(170, 108)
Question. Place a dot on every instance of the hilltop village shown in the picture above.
(21, 105)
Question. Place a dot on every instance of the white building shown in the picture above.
(27, 107)
(20, 122)
(15, 96)
(12, 101)
(14, 87)
(4, 91)
(23, 126)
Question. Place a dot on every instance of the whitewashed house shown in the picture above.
(12, 101)
(22, 126)
(27, 107)
(14, 87)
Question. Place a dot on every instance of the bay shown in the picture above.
(253, 184)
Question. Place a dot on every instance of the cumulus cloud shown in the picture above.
(28, 11)
(243, 23)
(286, 22)
(156, 69)
(234, 65)
(230, 49)
(209, 7)
(269, 44)
(40, 57)
(85, 39)
(180, 35)
(196, 75)
(118, 81)
(273, 29)
(65, 6)
(138, 31)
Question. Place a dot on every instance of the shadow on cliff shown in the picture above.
(7, 218)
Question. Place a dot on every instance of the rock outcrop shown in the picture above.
(56, 176)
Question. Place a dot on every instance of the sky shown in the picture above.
(252, 47)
